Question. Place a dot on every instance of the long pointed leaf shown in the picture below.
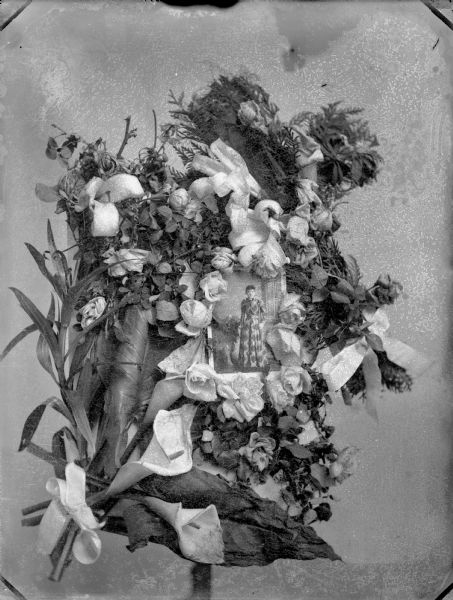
(58, 259)
(81, 419)
(51, 313)
(44, 326)
(41, 262)
(44, 357)
(34, 418)
(80, 354)
(18, 338)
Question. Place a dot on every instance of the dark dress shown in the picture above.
(252, 353)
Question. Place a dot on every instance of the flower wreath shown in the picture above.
(158, 445)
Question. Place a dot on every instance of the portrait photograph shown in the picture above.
(241, 320)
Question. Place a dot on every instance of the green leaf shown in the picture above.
(18, 338)
(80, 353)
(59, 260)
(299, 451)
(321, 476)
(375, 342)
(34, 418)
(285, 423)
(46, 193)
(44, 326)
(165, 212)
(339, 298)
(319, 277)
(41, 262)
(44, 357)
(344, 287)
(78, 411)
(51, 312)
(319, 295)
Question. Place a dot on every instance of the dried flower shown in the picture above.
(179, 200)
(306, 254)
(249, 114)
(345, 465)
(213, 286)
(295, 380)
(196, 317)
(200, 383)
(285, 344)
(265, 259)
(321, 219)
(125, 260)
(223, 259)
(92, 311)
(297, 231)
(246, 401)
(278, 396)
(259, 450)
(291, 312)
(386, 290)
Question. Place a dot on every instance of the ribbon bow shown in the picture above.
(69, 503)
(339, 368)
(229, 173)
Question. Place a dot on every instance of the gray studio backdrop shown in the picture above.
(88, 65)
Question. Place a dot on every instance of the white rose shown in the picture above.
(92, 311)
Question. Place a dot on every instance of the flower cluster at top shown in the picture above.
(249, 199)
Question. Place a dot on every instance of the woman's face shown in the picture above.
(251, 293)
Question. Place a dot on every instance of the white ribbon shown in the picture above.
(69, 503)
(199, 530)
(229, 173)
(169, 452)
(339, 368)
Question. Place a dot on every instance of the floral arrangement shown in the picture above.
(158, 445)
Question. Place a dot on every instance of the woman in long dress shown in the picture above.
(252, 353)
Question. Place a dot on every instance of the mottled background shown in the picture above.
(86, 66)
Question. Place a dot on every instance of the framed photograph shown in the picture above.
(241, 320)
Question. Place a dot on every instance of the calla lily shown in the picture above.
(115, 189)
(169, 452)
(229, 173)
(199, 530)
